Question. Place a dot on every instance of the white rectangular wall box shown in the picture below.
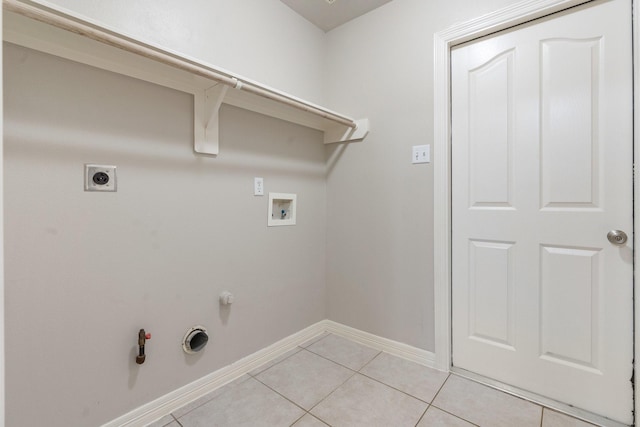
(282, 209)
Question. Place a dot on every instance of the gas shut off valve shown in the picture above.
(142, 341)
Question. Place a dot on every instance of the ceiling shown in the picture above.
(329, 14)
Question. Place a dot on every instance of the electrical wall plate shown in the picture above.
(282, 209)
(421, 154)
(100, 178)
(258, 186)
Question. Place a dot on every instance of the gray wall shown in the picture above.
(263, 40)
(84, 271)
(380, 206)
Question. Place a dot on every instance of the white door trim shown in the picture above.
(2, 326)
(443, 41)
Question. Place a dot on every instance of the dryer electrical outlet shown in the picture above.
(100, 178)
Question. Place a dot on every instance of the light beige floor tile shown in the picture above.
(162, 422)
(309, 421)
(305, 378)
(412, 378)
(314, 340)
(485, 406)
(249, 404)
(552, 418)
(362, 401)
(437, 418)
(273, 362)
(343, 351)
(173, 424)
(209, 396)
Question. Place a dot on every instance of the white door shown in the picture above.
(541, 172)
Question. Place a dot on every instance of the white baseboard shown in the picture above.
(168, 403)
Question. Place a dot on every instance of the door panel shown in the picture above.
(570, 71)
(490, 133)
(569, 309)
(541, 171)
(491, 308)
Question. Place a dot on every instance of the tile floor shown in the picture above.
(331, 381)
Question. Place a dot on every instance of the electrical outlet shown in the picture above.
(258, 186)
(421, 154)
(100, 178)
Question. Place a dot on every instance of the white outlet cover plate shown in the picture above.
(258, 186)
(90, 170)
(421, 154)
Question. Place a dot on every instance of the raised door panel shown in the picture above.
(491, 292)
(570, 82)
(490, 136)
(570, 306)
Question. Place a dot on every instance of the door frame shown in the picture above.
(510, 16)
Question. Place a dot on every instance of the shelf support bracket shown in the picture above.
(338, 134)
(207, 120)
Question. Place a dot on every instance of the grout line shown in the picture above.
(194, 408)
(281, 395)
(340, 364)
(401, 391)
(233, 383)
(370, 361)
(542, 417)
(322, 421)
(327, 396)
(397, 389)
(277, 363)
(454, 415)
(332, 361)
(321, 400)
(312, 416)
(179, 423)
(367, 376)
(441, 387)
(301, 417)
(422, 416)
(443, 410)
(317, 338)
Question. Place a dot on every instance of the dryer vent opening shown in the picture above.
(195, 339)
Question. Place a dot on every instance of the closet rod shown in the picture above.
(59, 20)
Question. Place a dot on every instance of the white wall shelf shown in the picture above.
(48, 30)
